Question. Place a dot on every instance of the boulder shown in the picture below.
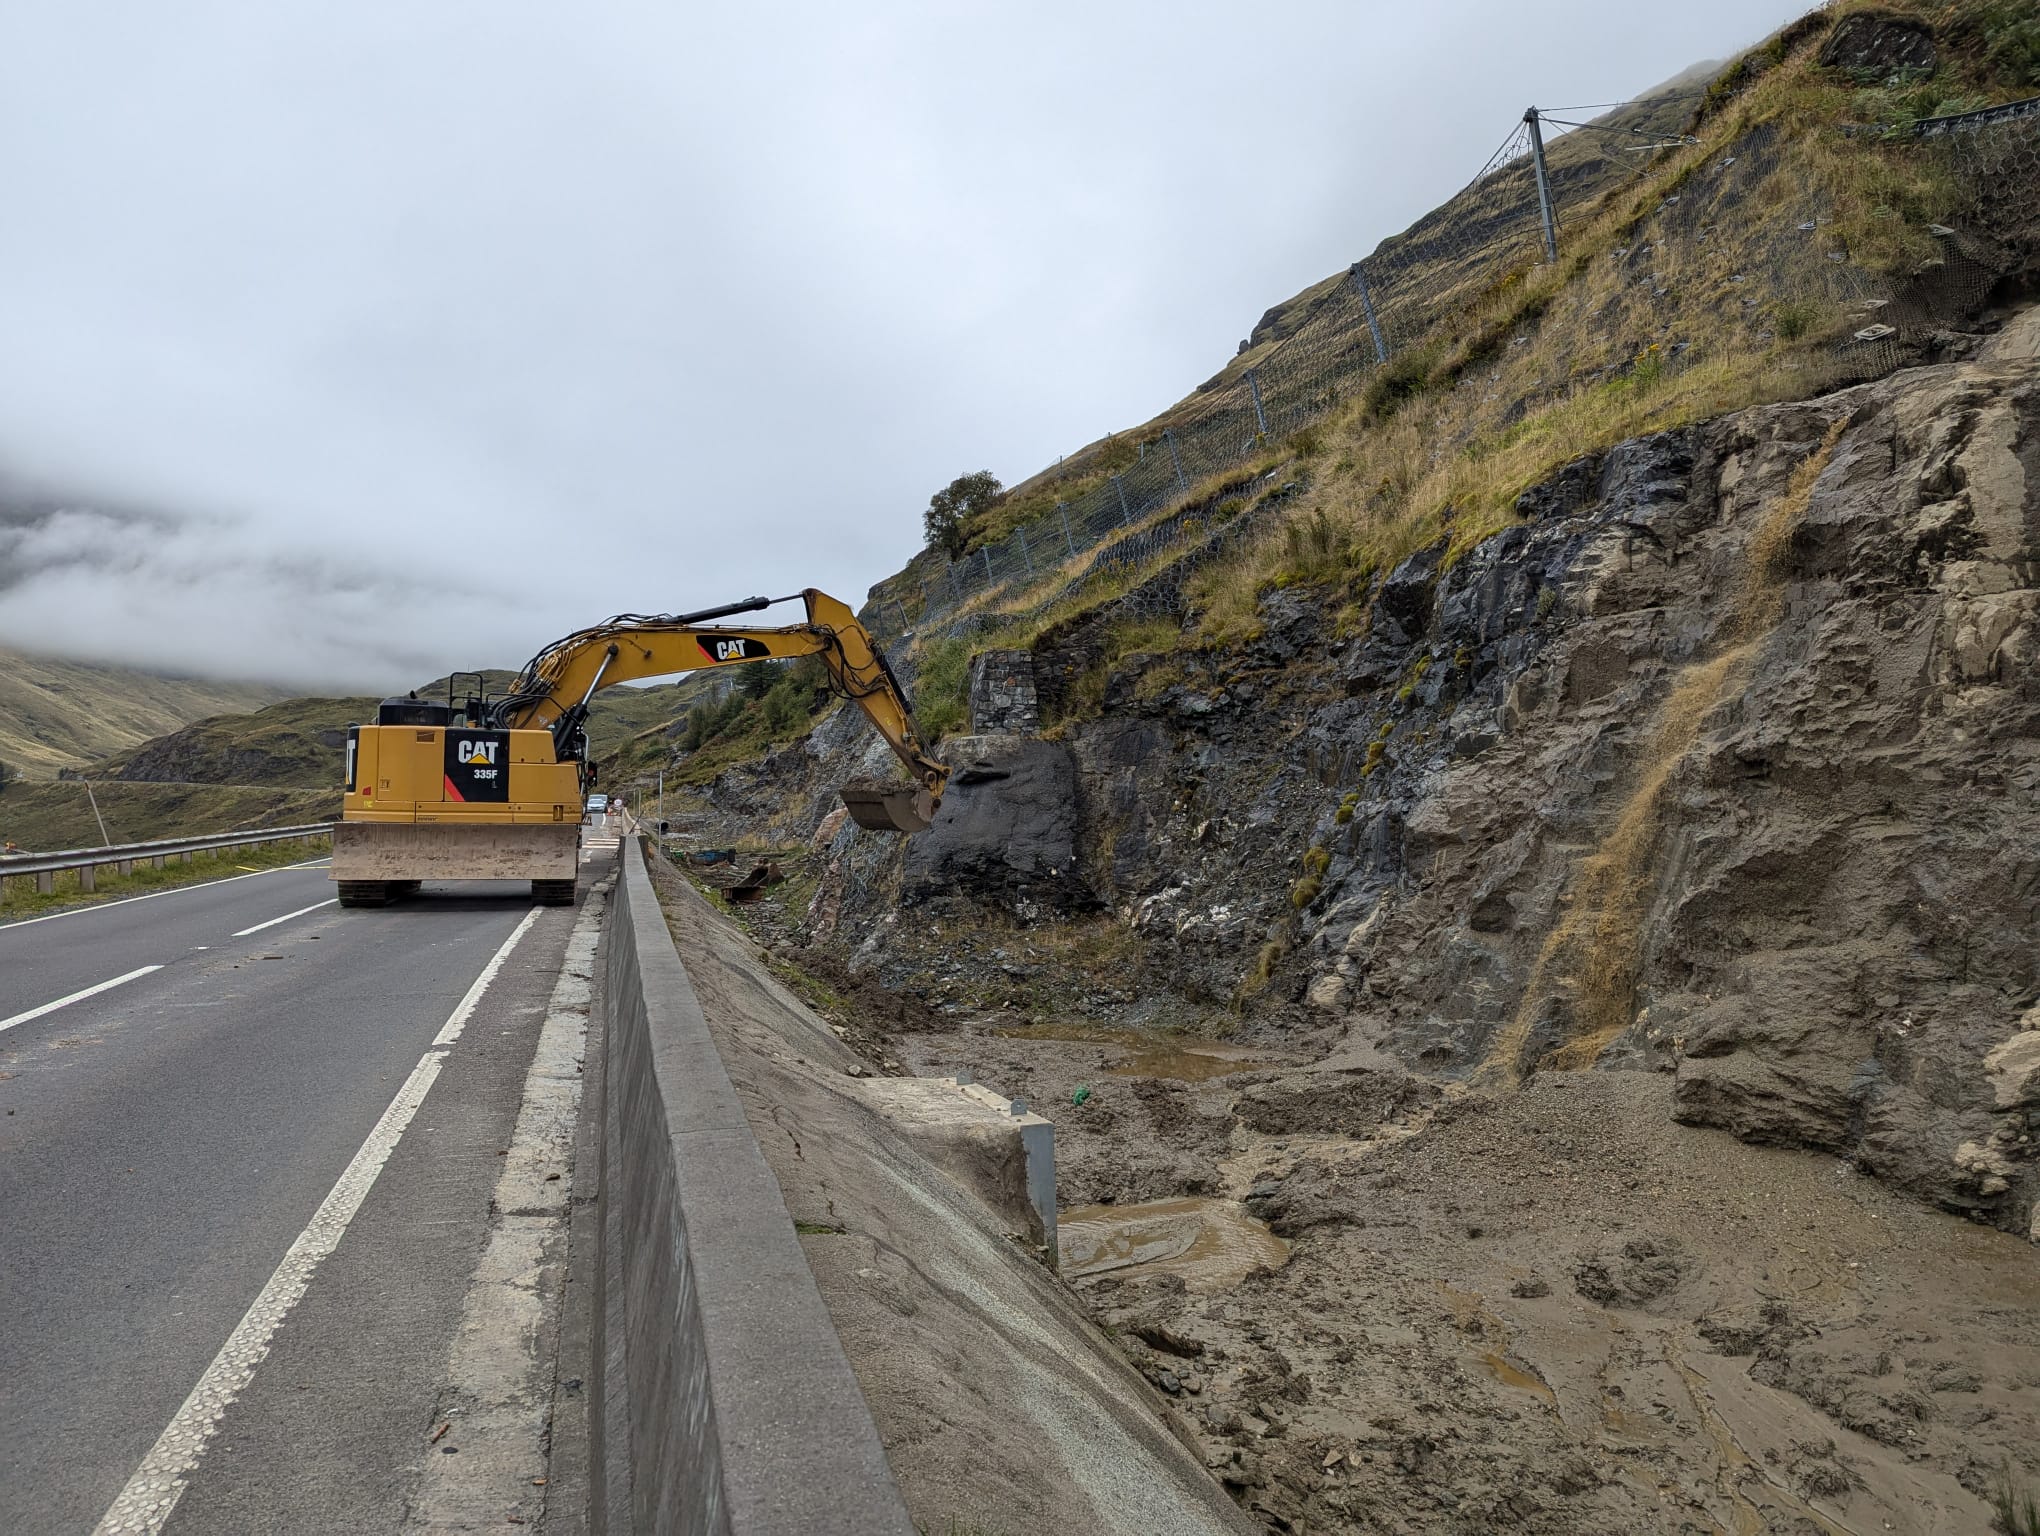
(1006, 832)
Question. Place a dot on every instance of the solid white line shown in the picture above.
(457, 1020)
(65, 1002)
(176, 890)
(142, 1507)
(301, 911)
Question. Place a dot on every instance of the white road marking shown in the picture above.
(179, 890)
(145, 1504)
(65, 1002)
(457, 1020)
(301, 911)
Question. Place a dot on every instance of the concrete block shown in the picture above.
(990, 1144)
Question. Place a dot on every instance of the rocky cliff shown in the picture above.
(1718, 765)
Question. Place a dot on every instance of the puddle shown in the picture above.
(1512, 1375)
(1211, 1243)
(1186, 1061)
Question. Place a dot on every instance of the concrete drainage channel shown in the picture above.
(720, 1398)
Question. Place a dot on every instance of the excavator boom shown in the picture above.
(556, 686)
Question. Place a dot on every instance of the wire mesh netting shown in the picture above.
(1766, 264)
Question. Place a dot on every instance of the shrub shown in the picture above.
(785, 707)
(942, 693)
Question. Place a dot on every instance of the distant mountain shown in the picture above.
(57, 714)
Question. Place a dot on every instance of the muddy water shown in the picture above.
(1186, 1061)
(1211, 1243)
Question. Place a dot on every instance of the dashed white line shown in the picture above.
(65, 1002)
(145, 1504)
(176, 890)
(301, 911)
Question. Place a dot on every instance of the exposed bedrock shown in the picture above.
(1719, 762)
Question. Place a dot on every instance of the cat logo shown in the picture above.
(731, 648)
(477, 766)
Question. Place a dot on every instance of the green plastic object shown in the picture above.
(1080, 1095)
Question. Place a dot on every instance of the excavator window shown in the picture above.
(412, 712)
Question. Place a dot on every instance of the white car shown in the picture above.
(598, 805)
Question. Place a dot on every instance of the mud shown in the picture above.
(1550, 1310)
(1210, 1245)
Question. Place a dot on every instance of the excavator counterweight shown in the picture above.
(493, 789)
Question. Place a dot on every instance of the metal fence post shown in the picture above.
(986, 551)
(1125, 516)
(1175, 458)
(1260, 416)
(1062, 509)
(1025, 558)
(1359, 270)
(1543, 183)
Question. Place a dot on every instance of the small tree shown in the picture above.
(6, 775)
(755, 681)
(785, 708)
(952, 509)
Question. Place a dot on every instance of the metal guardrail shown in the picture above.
(124, 856)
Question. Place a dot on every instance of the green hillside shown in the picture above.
(57, 714)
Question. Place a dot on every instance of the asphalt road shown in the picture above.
(165, 1141)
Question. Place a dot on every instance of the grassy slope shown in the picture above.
(45, 817)
(19, 897)
(1644, 323)
(66, 714)
(293, 744)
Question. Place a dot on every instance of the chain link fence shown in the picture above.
(1183, 483)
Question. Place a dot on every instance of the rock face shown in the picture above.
(1006, 833)
(1876, 47)
(1720, 763)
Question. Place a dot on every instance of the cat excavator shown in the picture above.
(491, 789)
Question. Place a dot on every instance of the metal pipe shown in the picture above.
(1543, 184)
(1175, 458)
(1359, 270)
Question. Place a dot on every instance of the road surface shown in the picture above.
(184, 1080)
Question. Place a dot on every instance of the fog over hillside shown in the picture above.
(381, 342)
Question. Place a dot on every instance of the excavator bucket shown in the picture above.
(889, 807)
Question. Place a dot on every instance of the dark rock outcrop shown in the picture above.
(1869, 46)
(1006, 833)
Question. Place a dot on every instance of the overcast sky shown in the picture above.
(424, 333)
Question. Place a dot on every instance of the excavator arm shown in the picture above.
(555, 687)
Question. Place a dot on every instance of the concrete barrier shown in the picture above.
(722, 1400)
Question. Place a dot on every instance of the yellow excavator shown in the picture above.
(491, 789)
